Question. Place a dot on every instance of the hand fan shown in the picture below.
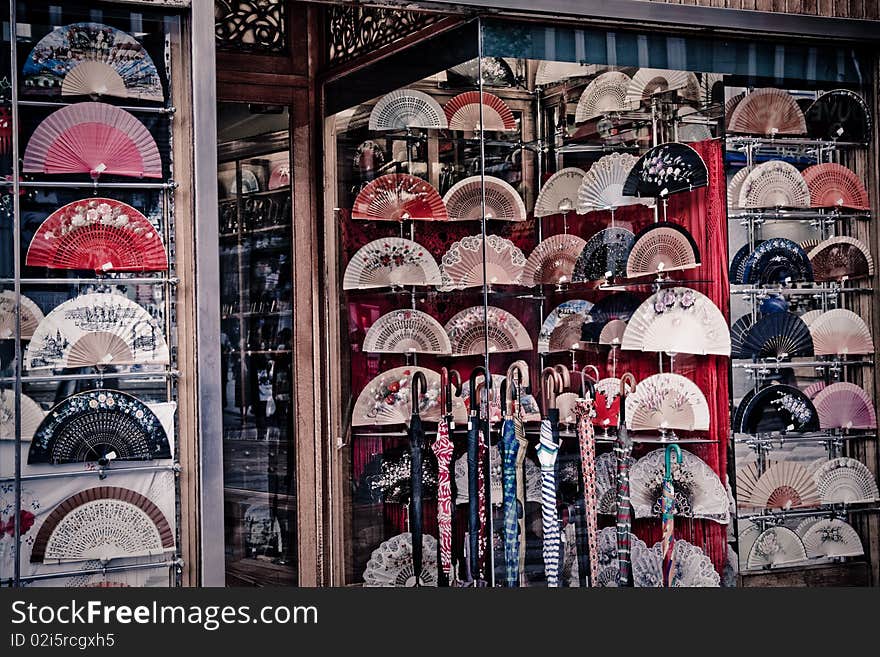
(407, 332)
(845, 406)
(711, 88)
(738, 263)
(493, 71)
(838, 258)
(463, 265)
(612, 332)
(560, 193)
(833, 185)
(604, 255)
(31, 316)
(831, 537)
(774, 184)
(667, 401)
(387, 478)
(699, 492)
(776, 546)
(777, 335)
(465, 200)
(691, 132)
(730, 106)
(578, 310)
(690, 566)
(279, 178)
(661, 247)
(779, 408)
(810, 316)
(98, 234)
(783, 485)
(407, 108)
(80, 529)
(461, 404)
(91, 59)
(93, 138)
(839, 115)
(532, 473)
(814, 389)
(606, 482)
(469, 333)
(845, 481)
(768, 111)
(602, 185)
(391, 564)
(650, 81)
(777, 260)
(740, 412)
(567, 335)
(94, 330)
(678, 320)
(549, 72)
(646, 563)
(734, 187)
(841, 332)
(620, 306)
(99, 424)
(391, 261)
(739, 331)
(387, 399)
(774, 303)
(666, 169)
(463, 112)
(605, 94)
(31, 416)
(552, 261)
(399, 197)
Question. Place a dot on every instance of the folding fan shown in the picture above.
(831, 537)
(560, 193)
(563, 334)
(99, 424)
(605, 94)
(391, 564)
(98, 234)
(94, 330)
(699, 492)
(620, 306)
(91, 59)
(846, 406)
(768, 111)
(734, 187)
(606, 482)
(739, 331)
(810, 316)
(496, 494)
(387, 398)
(93, 138)
(464, 112)
(730, 106)
(406, 332)
(661, 247)
(602, 186)
(691, 132)
(779, 408)
(777, 335)
(31, 416)
(783, 485)
(711, 88)
(31, 316)
(399, 197)
(774, 184)
(650, 81)
(492, 71)
(612, 332)
(386, 477)
(407, 108)
(845, 481)
(604, 255)
(465, 200)
(666, 169)
(841, 332)
(814, 389)
(463, 264)
(738, 262)
(833, 185)
(777, 260)
(503, 331)
(667, 401)
(775, 547)
(279, 178)
(391, 261)
(678, 320)
(552, 261)
(690, 567)
(839, 115)
(841, 257)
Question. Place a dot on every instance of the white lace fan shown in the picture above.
(735, 186)
(31, 316)
(407, 332)
(783, 485)
(387, 399)
(690, 566)
(464, 200)
(553, 260)
(774, 184)
(496, 493)
(776, 546)
(462, 265)
(845, 481)
(31, 416)
(96, 330)
(391, 564)
(831, 537)
(605, 94)
(667, 401)
(602, 186)
(560, 193)
(841, 332)
(678, 320)
(391, 261)
(504, 332)
(649, 81)
(407, 108)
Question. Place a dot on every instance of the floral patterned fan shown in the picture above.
(777, 260)
(391, 261)
(391, 563)
(387, 399)
(832, 537)
(666, 169)
(667, 401)
(778, 408)
(399, 197)
(776, 546)
(407, 331)
(469, 333)
(463, 265)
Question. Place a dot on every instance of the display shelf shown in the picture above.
(88, 184)
(779, 364)
(780, 438)
(134, 109)
(102, 472)
(832, 289)
(816, 216)
(533, 430)
(744, 142)
(246, 232)
(98, 280)
(51, 378)
(827, 510)
(106, 569)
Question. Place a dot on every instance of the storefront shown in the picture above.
(680, 193)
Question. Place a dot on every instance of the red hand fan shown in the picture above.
(398, 197)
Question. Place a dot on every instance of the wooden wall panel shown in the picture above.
(869, 9)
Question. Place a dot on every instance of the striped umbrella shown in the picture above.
(548, 450)
(623, 451)
(476, 488)
(443, 448)
(668, 540)
(583, 409)
(416, 444)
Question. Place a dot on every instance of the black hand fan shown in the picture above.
(738, 263)
(606, 251)
(839, 115)
(777, 260)
(620, 306)
(739, 330)
(780, 408)
(666, 169)
(777, 335)
(386, 477)
(737, 424)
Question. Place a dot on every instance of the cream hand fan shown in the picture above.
(831, 537)
(561, 330)
(612, 332)
(604, 95)
(602, 186)
(839, 258)
(729, 106)
(680, 321)
(810, 316)
(783, 485)
(776, 546)
(691, 132)
(399, 197)
(503, 331)
(31, 316)
(845, 481)
(460, 472)
(464, 200)
(846, 406)
(560, 193)
(833, 185)
(463, 266)
(650, 81)
(464, 113)
(407, 332)
(774, 184)
(662, 247)
(551, 72)
(32, 415)
(734, 187)
(391, 262)
(768, 111)
(391, 564)
(94, 330)
(667, 401)
(407, 108)
(387, 399)
(841, 332)
(553, 260)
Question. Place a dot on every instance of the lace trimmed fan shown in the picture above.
(784, 485)
(31, 316)
(463, 112)
(604, 255)
(93, 138)
(846, 406)
(778, 408)
(776, 546)
(391, 261)
(666, 169)
(845, 481)
(496, 495)
(777, 260)
(651, 81)
(464, 200)
(832, 537)
(31, 416)
(468, 333)
(399, 197)
(768, 111)
(838, 258)
(407, 331)
(560, 193)
(553, 260)
(462, 265)
(605, 94)
(841, 332)
(777, 335)
(407, 108)
(602, 185)
(662, 247)
(667, 401)
(833, 185)
(774, 184)
(387, 399)
(839, 115)
(94, 330)
(391, 564)
(561, 331)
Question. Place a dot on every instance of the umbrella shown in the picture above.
(583, 408)
(510, 462)
(486, 549)
(443, 448)
(519, 431)
(668, 512)
(416, 443)
(476, 490)
(623, 450)
(548, 450)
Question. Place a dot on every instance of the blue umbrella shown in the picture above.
(510, 449)
(623, 450)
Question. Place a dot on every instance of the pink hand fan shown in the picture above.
(280, 176)
(463, 112)
(845, 405)
(399, 197)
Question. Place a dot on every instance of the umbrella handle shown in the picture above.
(626, 380)
(417, 379)
(474, 398)
(565, 377)
(670, 450)
(588, 383)
(551, 386)
(445, 400)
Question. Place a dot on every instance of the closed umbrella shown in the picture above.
(668, 540)
(583, 408)
(443, 449)
(520, 371)
(476, 491)
(623, 451)
(416, 444)
(548, 450)
(510, 451)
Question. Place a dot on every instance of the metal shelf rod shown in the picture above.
(828, 291)
(127, 108)
(100, 472)
(94, 281)
(176, 562)
(159, 374)
(90, 184)
(778, 365)
(825, 509)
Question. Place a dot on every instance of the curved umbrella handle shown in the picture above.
(417, 379)
(626, 380)
(670, 450)
(564, 377)
(551, 386)
(587, 383)
(445, 398)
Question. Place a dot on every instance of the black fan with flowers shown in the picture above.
(779, 408)
(777, 260)
(666, 169)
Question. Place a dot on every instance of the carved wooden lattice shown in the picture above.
(356, 31)
(251, 25)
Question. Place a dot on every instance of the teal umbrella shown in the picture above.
(668, 540)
